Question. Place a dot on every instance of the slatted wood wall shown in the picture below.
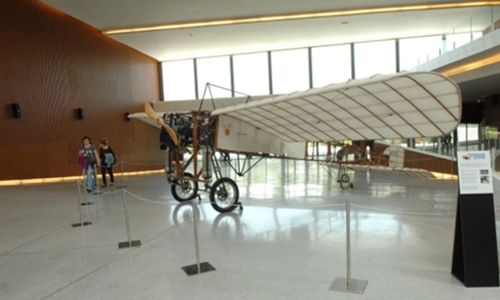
(51, 64)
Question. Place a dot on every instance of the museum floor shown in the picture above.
(287, 243)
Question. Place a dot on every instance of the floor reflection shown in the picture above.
(287, 199)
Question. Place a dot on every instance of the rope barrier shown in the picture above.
(403, 212)
(297, 207)
(110, 192)
(138, 197)
(149, 200)
(291, 206)
(142, 164)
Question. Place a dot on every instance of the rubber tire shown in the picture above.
(213, 189)
(175, 185)
(344, 181)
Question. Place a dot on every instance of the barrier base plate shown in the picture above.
(81, 224)
(136, 243)
(356, 286)
(193, 269)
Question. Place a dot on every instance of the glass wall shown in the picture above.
(251, 73)
(456, 40)
(214, 70)
(374, 58)
(331, 64)
(178, 80)
(415, 51)
(468, 137)
(290, 71)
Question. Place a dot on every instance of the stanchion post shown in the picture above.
(348, 284)
(79, 206)
(195, 228)
(198, 267)
(97, 186)
(348, 242)
(129, 243)
(87, 202)
(122, 175)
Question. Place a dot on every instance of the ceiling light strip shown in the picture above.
(472, 66)
(299, 16)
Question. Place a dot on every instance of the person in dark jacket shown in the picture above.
(108, 160)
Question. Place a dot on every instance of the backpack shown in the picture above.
(109, 159)
(91, 160)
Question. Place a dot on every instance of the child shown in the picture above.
(108, 159)
(88, 158)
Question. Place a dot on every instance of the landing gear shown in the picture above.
(185, 189)
(224, 195)
(344, 181)
(343, 178)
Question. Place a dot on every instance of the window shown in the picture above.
(416, 51)
(251, 74)
(214, 70)
(456, 40)
(331, 65)
(468, 138)
(178, 80)
(290, 70)
(374, 58)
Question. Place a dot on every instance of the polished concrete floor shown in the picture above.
(287, 243)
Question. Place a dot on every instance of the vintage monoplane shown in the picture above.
(403, 105)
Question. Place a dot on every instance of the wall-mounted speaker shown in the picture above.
(79, 113)
(16, 110)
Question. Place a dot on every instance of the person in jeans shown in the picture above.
(88, 159)
(108, 159)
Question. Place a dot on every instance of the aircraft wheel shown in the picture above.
(224, 195)
(185, 189)
(344, 181)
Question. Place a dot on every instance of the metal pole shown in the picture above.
(348, 284)
(348, 240)
(492, 18)
(125, 210)
(79, 202)
(121, 170)
(195, 226)
(96, 180)
(87, 202)
(198, 267)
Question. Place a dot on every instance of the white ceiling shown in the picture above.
(218, 40)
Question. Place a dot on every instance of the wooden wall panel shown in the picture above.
(51, 64)
(430, 163)
(418, 160)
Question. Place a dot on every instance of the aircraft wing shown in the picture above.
(403, 105)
